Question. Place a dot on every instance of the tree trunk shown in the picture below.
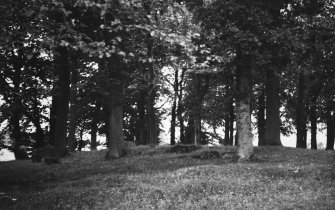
(313, 119)
(272, 121)
(243, 119)
(39, 136)
(315, 89)
(81, 139)
(141, 127)
(173, 124)
(174, 108)
(62, 96)
(39, 133)
(151, 112)
(226, 129)
(330, 127)
(189, 131)
(182, 128)
(200, 88)
(115, 127)
(107, 122)
(227, 119)
(301, 115)
(52, 121)
(180, 108)
(72, 142)
(236, 136)
(16, 131)
(94, 125)
(231, 122)
(16, 112)
(197, 127)
(261, 119)
(196, 108)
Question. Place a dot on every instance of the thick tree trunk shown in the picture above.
(189, 132)
(272, 122)
(243, 119)
(174, 109)
(261, 119)
(115, 127)
(94, 125)
(62, 96)
(39, 136)
(151, 115)
(301, 115)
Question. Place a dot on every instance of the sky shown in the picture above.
(6, 155)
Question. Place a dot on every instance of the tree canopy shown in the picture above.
(103, 67)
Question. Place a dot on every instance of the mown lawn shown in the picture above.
(151, 178)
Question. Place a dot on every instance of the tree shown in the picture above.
(151, 116)
(243, 115)
(235, 29)
(23, 79)
(272, 122)
(73, 112)
(330, 128)
(62, 97)
(174, 107)
(261, 117)
(115, 128)
(230, 58)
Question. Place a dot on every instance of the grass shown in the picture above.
(151, 178)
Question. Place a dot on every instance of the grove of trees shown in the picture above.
(99, 67)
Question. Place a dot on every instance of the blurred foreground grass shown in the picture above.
(151, 178)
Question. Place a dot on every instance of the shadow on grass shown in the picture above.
(155, 177)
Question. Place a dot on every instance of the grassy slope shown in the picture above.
(279, 178)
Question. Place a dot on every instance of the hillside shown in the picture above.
(151, 178)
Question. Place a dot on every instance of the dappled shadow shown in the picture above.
(83, 176)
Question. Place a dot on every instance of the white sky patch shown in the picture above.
(6, 155)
